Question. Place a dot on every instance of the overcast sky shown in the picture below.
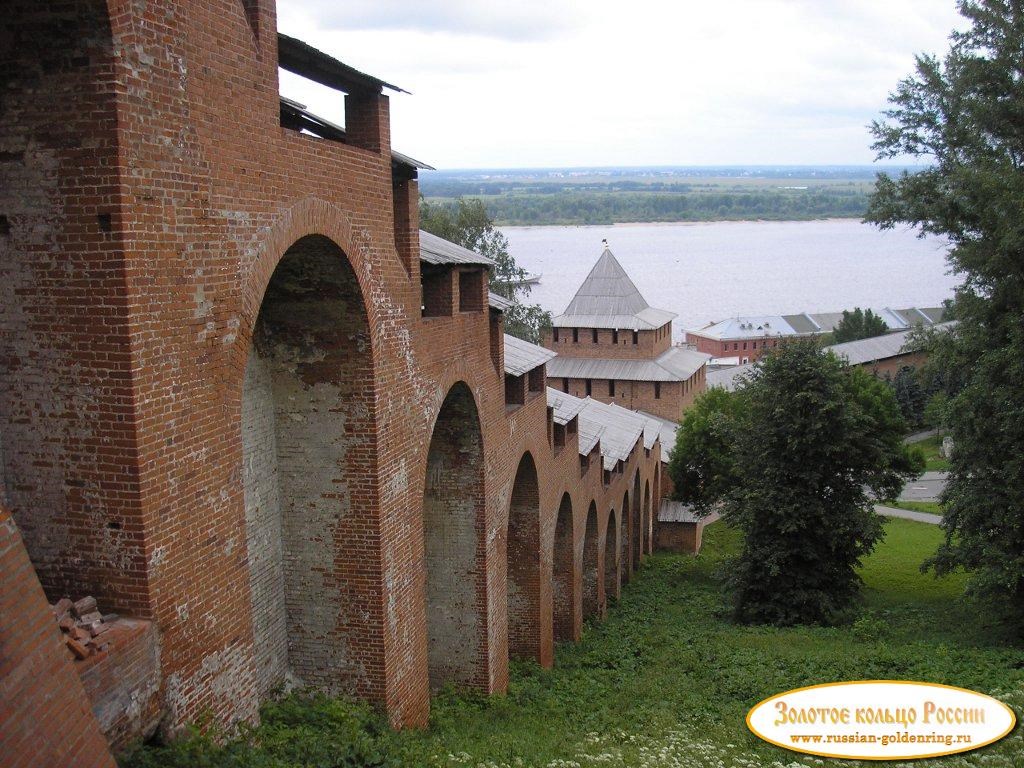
(535, 83)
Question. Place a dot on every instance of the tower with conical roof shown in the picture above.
(615, 347)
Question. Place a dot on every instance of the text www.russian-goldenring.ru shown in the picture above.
(904, 737)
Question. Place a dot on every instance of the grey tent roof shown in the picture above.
(437, 250)
(522, 356)
(675, 364)
(609, 299)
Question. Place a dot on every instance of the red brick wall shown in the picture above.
(892, 365)
(679, 537)
(649, 344)
(123, 682)
(45, 718)
(675, 397)
(151, 195)
(752, 349)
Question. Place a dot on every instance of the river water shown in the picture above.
(710, 271)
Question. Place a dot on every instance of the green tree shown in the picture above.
(963, 114)
(467, 223)
(701, 466)
(910, 395)
(859, 324)
(796, 457)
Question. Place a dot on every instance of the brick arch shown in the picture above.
(611, 557)
(454, 560)
(625, 537)
(648, 522)
(307, 422)
(591, 593)
(563, 565)
(307, 217)
(522, 561)
(635, 533)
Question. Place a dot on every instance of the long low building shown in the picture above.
(883, 355)
(750, 336)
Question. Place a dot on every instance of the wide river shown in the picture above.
(710, 271)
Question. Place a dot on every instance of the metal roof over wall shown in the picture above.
(759, 326)
(521, 357)
(666, 434)
(675, 364)
(437, 250)
(564, 406)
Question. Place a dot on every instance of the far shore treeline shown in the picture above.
(615, 196)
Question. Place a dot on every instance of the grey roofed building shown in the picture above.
(853, 352)
(813, 323)
(522, 357)
(878, 347)
(748, 327)
(609, 299)
(437, 250)
(676, 512)
(675, 364)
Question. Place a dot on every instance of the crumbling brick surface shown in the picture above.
(45, 719)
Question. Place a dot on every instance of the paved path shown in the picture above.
(917, 437)
(907, 514)
(925, 488)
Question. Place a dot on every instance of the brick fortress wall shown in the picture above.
(224, 412)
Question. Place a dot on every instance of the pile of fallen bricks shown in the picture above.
(84, 627)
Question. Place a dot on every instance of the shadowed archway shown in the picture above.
(453, 514)
(591, 605)
(523, 563)
(611, 557)
(562, 582)
(308, 447)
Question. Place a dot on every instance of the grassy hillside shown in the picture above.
(665, 681)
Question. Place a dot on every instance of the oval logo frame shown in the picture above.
(881, 720)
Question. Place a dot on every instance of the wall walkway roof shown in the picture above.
(522, 357)
(437, 250)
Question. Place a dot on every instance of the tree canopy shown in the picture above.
(858, 324)
(796, 458)
(468, 223)
(964, 115)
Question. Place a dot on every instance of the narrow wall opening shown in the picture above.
(562, 603)
(611, 558)
(591, 605)
(523, 563)
(453, 512)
